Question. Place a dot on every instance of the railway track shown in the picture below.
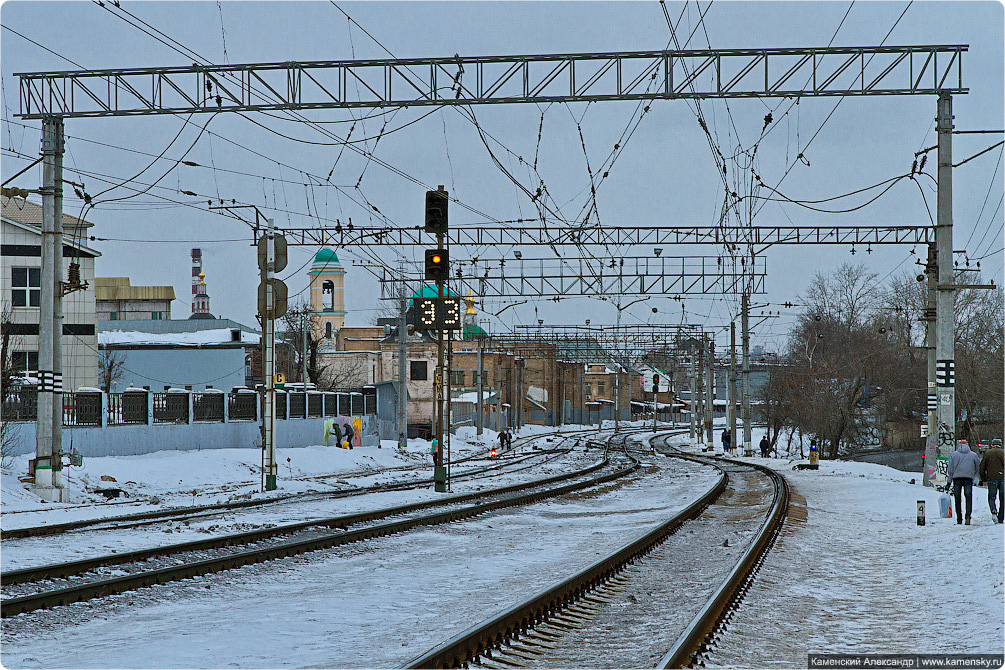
(34, 588)
(636, 607)
(190, 513)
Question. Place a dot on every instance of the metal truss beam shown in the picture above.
(625, 345)
(634, 75)
(656, 235)
(594, 277)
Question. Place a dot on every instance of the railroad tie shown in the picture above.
(511, 650)
(531, 645)
(502, 657)
(542, 637)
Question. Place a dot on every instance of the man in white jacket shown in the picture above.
(963, 467)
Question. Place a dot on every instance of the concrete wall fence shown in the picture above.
(140, 422)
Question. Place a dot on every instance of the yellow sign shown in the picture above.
(279, 380)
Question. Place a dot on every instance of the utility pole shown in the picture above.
(693, 401)
(945, 327)
(745, 383)
(699, 362)
(402, 367)
(710, 397)
(731, 403)
(932, 441)
(305, 324)
(48, 472)
(480, 416)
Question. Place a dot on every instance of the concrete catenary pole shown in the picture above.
(57, 321)
(402, 367)
(745, 373)
(731, 404)
(479, 410)
(945, 328)
(693, 402)
(48, 466)
(710, 396)
(932, 441)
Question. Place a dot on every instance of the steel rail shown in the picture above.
(189, 512)
(61, 570)
(14, 606)
(468, 645)
(692, 640)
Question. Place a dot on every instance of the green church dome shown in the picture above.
(429, 291)
(326, 260)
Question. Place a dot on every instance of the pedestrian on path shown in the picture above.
(765, 446)
(992, 471)
(727, 441)
(963, 470)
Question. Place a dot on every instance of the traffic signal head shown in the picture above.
(656, 382)
(436, 212)
(437, 264)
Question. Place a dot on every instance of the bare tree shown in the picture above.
(301, 323)
(111, 367)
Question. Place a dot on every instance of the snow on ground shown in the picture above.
(858, 574)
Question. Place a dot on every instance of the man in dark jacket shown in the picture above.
(765, 446)
(992, 471)
(963, 467)
(727, 442)
(349, 434)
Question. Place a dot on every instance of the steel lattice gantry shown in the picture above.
(626, 344)
(604, 277)
(461, 80)
(536, 234)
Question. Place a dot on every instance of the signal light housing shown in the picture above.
(436, 212)
(437, 264)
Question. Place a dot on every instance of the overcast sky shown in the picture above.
(665, 172)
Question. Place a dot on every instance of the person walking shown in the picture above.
(727, 441)
(502, 439)
(963, 469)
(992, 471)
(765, 446)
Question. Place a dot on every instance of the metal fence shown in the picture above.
(315, 404)
(298, 405)
(207, 406)
(242, 406)
(127, 408)
(135, 406)
(82, 408)
(170, 407)
(20, 403)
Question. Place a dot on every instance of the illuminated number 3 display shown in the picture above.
(432, 314)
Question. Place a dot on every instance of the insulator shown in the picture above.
(73, 274)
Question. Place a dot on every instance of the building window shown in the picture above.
(474, 378)
(587, 390)
(114, 316)
(24, 361)
(600, 388)
(26, 287)
(156, 316)
(457, 377)
(418, 371)
(328, 330)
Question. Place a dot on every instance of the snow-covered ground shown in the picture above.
(858, 574)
